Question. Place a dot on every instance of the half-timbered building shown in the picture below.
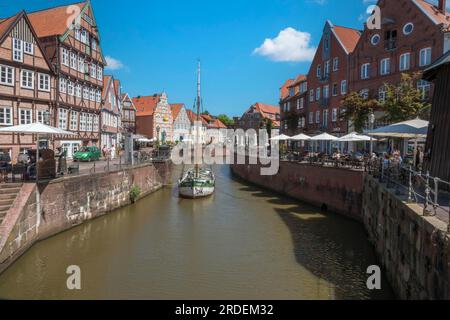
(27, 85)
(71, 41)
(110, 113)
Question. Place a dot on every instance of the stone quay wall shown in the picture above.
(335, 189)
(413, 249)
(71, 201)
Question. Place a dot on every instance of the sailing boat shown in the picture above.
(197, 182)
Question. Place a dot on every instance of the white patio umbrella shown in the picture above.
(301, 137)
(412, 129)
(324, 137)
(355, 137)
(38, 129)
(281, 138)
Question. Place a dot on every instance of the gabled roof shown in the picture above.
(347, 37)
(176, 109)
(117, 86)
(53, 21)
(284, 91)
(106, 81)
(433, 12)
(7, 24)
(193, 117)
(126, 97)
(265, 109)
(300, 78)
(145, 106)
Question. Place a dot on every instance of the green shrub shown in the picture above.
(134, 193)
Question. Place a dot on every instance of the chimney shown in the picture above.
(442, 6)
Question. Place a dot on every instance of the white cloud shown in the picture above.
(113, 64)
(289, 46)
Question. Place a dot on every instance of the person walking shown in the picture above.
(113, 152)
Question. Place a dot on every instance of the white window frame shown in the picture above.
(334, 114)
(26, 84)
(427, 57)
(44, 82)
(311, 117)
(7, 112)
(73, 61)
(92, 94)
(73, 120)
(70, 88)
(403, 66)
(326, 92)
(93, 71)
(27, 113)
(365, 71)
(99, 73)
(319, 71)
(63, 85)
(343, 87)
(81, 64)
(78, 90)
(85, 93)
(311, 95)
(382, 93)
(385, 66)
(9, 73)
(28, 48)
(65, 57)
(317, 117)
(17, 52)
(336, 64)
(62, 118)
(318, 94)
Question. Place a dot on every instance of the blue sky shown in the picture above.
(155, 44)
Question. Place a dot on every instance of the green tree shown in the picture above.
(357, 109)
(292, 120)
(268, 125)
(404, 100)
(206, 113)
(225, 120)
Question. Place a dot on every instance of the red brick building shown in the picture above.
(328, 79)
(154, 118)
(293, 103)
(257, 114)
(413, 35)
(27, 82)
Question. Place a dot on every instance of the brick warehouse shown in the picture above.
(414, 34)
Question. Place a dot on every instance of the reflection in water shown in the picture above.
(242, 243)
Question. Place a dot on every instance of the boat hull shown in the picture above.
(195, 192)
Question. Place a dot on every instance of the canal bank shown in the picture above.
(413, 250)
(70, 201)
(244, 242)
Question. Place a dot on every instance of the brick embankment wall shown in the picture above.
(68, 202)
(338, 190)
(414, 250)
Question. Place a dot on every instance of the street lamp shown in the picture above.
(371, 123)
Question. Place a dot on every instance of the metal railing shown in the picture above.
(21, 173)
(432, 193)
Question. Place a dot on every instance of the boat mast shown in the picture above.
(198, 112)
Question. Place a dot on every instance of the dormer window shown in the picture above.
(390, 38)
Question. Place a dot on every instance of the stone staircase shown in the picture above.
(8, 194)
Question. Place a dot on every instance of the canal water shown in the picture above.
(242, 243)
